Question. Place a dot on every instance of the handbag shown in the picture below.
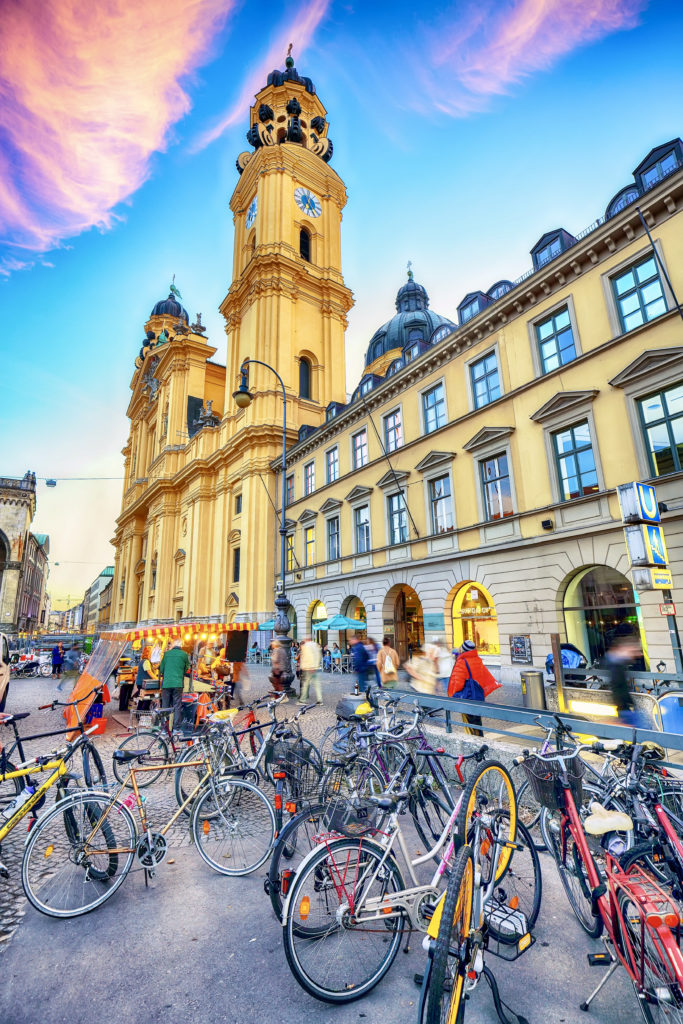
(389, 668)
(472, 690)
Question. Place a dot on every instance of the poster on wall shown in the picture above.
(434, 623)
(520, 649)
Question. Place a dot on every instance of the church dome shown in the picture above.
(414, 322)
(170, 307)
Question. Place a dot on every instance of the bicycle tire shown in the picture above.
(449, 955)
(314, 883)
(96, 779)
(256, 740)
(227, 817)
(651, 860)
(650, 965)
(360, 777)
(183, 787)
(572, 873)
(49, 884)
(430, 814)
(293, 844)
(491, 787)
(520, 888)
(528, 808)
(155, 749)
(9, 788)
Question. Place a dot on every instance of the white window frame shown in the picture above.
(421, 395)
(468, 376)
(365, 503)
(396, 409)
(290, 476)
(430, 520)
(328, 452)
(309, 526)
(307, 466)
(561, 421)
(620, 268)
(356, 433)
(387, 499)
(328, 519)
(539, 318)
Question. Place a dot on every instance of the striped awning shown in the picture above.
(182, 630)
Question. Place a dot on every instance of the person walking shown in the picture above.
(174, 667)
(359, 659)
(623, 652)
(311, 658)
(373, 651)
(471, 680)
(58, 662)
(438, 653)
(278, 666)
(387, 663)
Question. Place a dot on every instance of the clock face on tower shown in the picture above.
(307, 202)
(251, 212)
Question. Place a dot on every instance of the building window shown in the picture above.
(639, 294)
(290, 490)
(304, 378)
(548, 252)
(398, 519)
(333, 549)
(238, 504)
(305, 245)
(662, 418)
(470, 310)
(309, 545)
(393, 431)
(332, 464)
(555, 341)
(366, 386)
(575, 461)
(495, 481)
(485, 380)
(331, 413)
(441, 504)
(659, 170)
(434, 408)
(236, 565)
(309, 478)
(361, 527)
(290, 553)
(412, 353)
(360, 449)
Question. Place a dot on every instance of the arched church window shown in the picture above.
(304, 378)
(305, 245)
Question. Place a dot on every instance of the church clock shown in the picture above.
(307, 202)
(251, 212)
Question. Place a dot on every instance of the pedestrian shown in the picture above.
(174, 667)
(311, 657)
(145, 674)
(387, 663)
(335, 658)
(438, 653)
(327, 659)
(359, 659)
(278, 667)
(373, 651)
(471, 680)
(624, 650)
(239, 682)
(58, 662)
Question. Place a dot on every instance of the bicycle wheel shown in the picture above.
(74, 861)
(335, 953)
(660, 998)
(360, 777)
(187, 777)
(528, 807)
(488, 790)
(446, 995)
(153, 750)
(430, 815)
(93, 770)
(519, 890)
(293, 844)
(233, 826)
(9, 788)
(572, 871)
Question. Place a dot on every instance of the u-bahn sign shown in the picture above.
(638, 503)
(644, 536)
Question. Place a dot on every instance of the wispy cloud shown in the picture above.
(88, 92)
(480, 51)
(301, 31)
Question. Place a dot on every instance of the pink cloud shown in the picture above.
(89, 92)
(301, 32)
(483, 50)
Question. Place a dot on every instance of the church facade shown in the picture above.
(467, 487)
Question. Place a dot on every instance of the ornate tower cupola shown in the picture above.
(287, 304)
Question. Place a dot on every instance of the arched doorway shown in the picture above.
(353, 608)
(318, 613)
(291, 615)
(403, 620)
(475, 618)
(4, 558)
(600, 604)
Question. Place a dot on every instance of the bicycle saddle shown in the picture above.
(14, 717)
(387, 801)
(221, 716)
(600, 821)
(128, 755)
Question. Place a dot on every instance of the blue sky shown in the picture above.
(462, 133)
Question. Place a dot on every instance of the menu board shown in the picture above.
(520, 649)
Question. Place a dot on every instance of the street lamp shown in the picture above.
(243, 398)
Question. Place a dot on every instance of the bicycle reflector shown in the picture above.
(49, 850)
(279, 775)
(305, 908)
(278, 801)
(290, 807)
(657, 920)
(206, 827)
(285, 880)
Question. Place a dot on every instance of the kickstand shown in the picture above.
(603, 981)
(146, 878)
(501, 1009)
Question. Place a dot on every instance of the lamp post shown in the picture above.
(243, 398)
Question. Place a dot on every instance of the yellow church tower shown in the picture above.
(287, 304)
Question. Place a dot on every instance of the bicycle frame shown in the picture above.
(58, 768)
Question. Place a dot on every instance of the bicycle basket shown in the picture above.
(300, 763)
(544, 778)
(352, 818)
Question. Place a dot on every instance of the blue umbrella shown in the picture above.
(340, 622)
(267, 625)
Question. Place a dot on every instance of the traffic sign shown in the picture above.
(638, 503)
(669, 608)
(656, 545)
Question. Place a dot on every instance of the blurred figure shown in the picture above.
(310, 659)
(359, 657)
(438, 653)
(624, 651)
(278, 666)
(372, 652)
(387, 663)
(471, 680)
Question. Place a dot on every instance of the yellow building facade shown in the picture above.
(467, 487)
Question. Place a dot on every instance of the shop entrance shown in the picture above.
(475, 618)
(318, 613)
(599, 605)
(353, 608)
(403, 620)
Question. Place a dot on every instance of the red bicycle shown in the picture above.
(642, 921)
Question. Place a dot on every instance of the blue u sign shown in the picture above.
(647, 499)
(657, 546)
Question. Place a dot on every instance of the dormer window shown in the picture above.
(331, 413)
(366, 386)
(471, 305)
(499, 289)
(412, 352)
(397, 365)
(549, 252)
(622, 199)
(660, 169)
(549, 246)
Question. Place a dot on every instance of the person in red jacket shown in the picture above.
(471, 680)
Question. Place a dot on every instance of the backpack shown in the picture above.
(389, 667)
(472, 690)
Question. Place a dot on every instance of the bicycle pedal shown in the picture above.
(599, 959)
(418, 979)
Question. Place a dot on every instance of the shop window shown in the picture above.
(305, 245)
(434, 408)
(318, 614)
(661, 416)
(304, 378)
(333, 548)
(599, 606)
(475, 619)
(495, 480)
(555, 341)
(575, 461)
(639, 294)
(485, 380)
